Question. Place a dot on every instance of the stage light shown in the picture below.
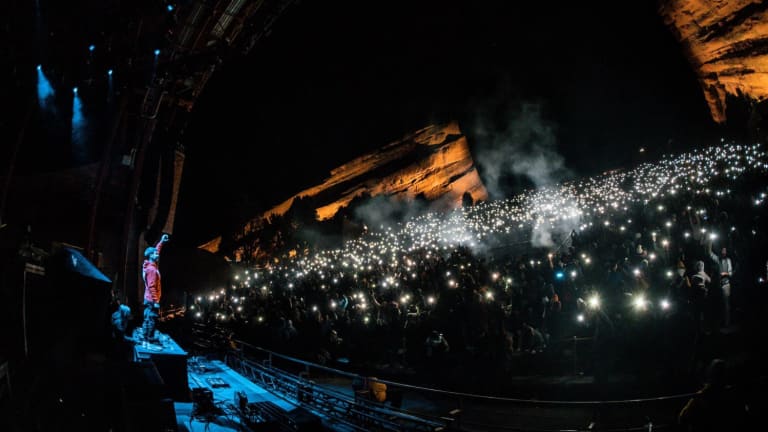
(78, 128)
(170, 8)
(44, 89)
(640, 303)
(664, 303)
(157, 52)
(91, 47)
(109, 72)
(593, 302)
(580, 317)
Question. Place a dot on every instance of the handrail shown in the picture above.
(332, 403)
(295, 360)
(471, 395)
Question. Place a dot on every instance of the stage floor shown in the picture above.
(207, 395)
(217, 402)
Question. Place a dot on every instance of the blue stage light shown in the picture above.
(91, 47)
(170, 8)
(157, 52)
(78, 128)
(74, 90)
(44, 89)
(109, 72)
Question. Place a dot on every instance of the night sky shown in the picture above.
(583, 85)
(337, 79)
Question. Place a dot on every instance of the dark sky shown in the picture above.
(594, 81)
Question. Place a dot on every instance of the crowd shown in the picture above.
(638, 265)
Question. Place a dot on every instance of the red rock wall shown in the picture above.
(443, 169)
(727, 44)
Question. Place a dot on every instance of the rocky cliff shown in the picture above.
(434, 163)
(727, 43)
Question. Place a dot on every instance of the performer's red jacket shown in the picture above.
(152, 289)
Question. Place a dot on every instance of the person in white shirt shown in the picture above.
(725, 269)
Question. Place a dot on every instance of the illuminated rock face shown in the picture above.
(727, 43)
(434, 162)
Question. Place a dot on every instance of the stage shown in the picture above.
(175, 391)
(224, 400)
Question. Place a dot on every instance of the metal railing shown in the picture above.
(348, 410)
(434, 409)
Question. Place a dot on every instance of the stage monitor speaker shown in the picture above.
(202, 401)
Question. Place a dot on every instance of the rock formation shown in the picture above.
(727, 43)
(434, 163)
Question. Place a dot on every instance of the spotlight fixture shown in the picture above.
(640, 303)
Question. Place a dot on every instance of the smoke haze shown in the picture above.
(523, 145)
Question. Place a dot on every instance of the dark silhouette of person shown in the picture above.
(121, 339)
(716, 406)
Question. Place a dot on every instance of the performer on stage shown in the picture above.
(152, 288)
